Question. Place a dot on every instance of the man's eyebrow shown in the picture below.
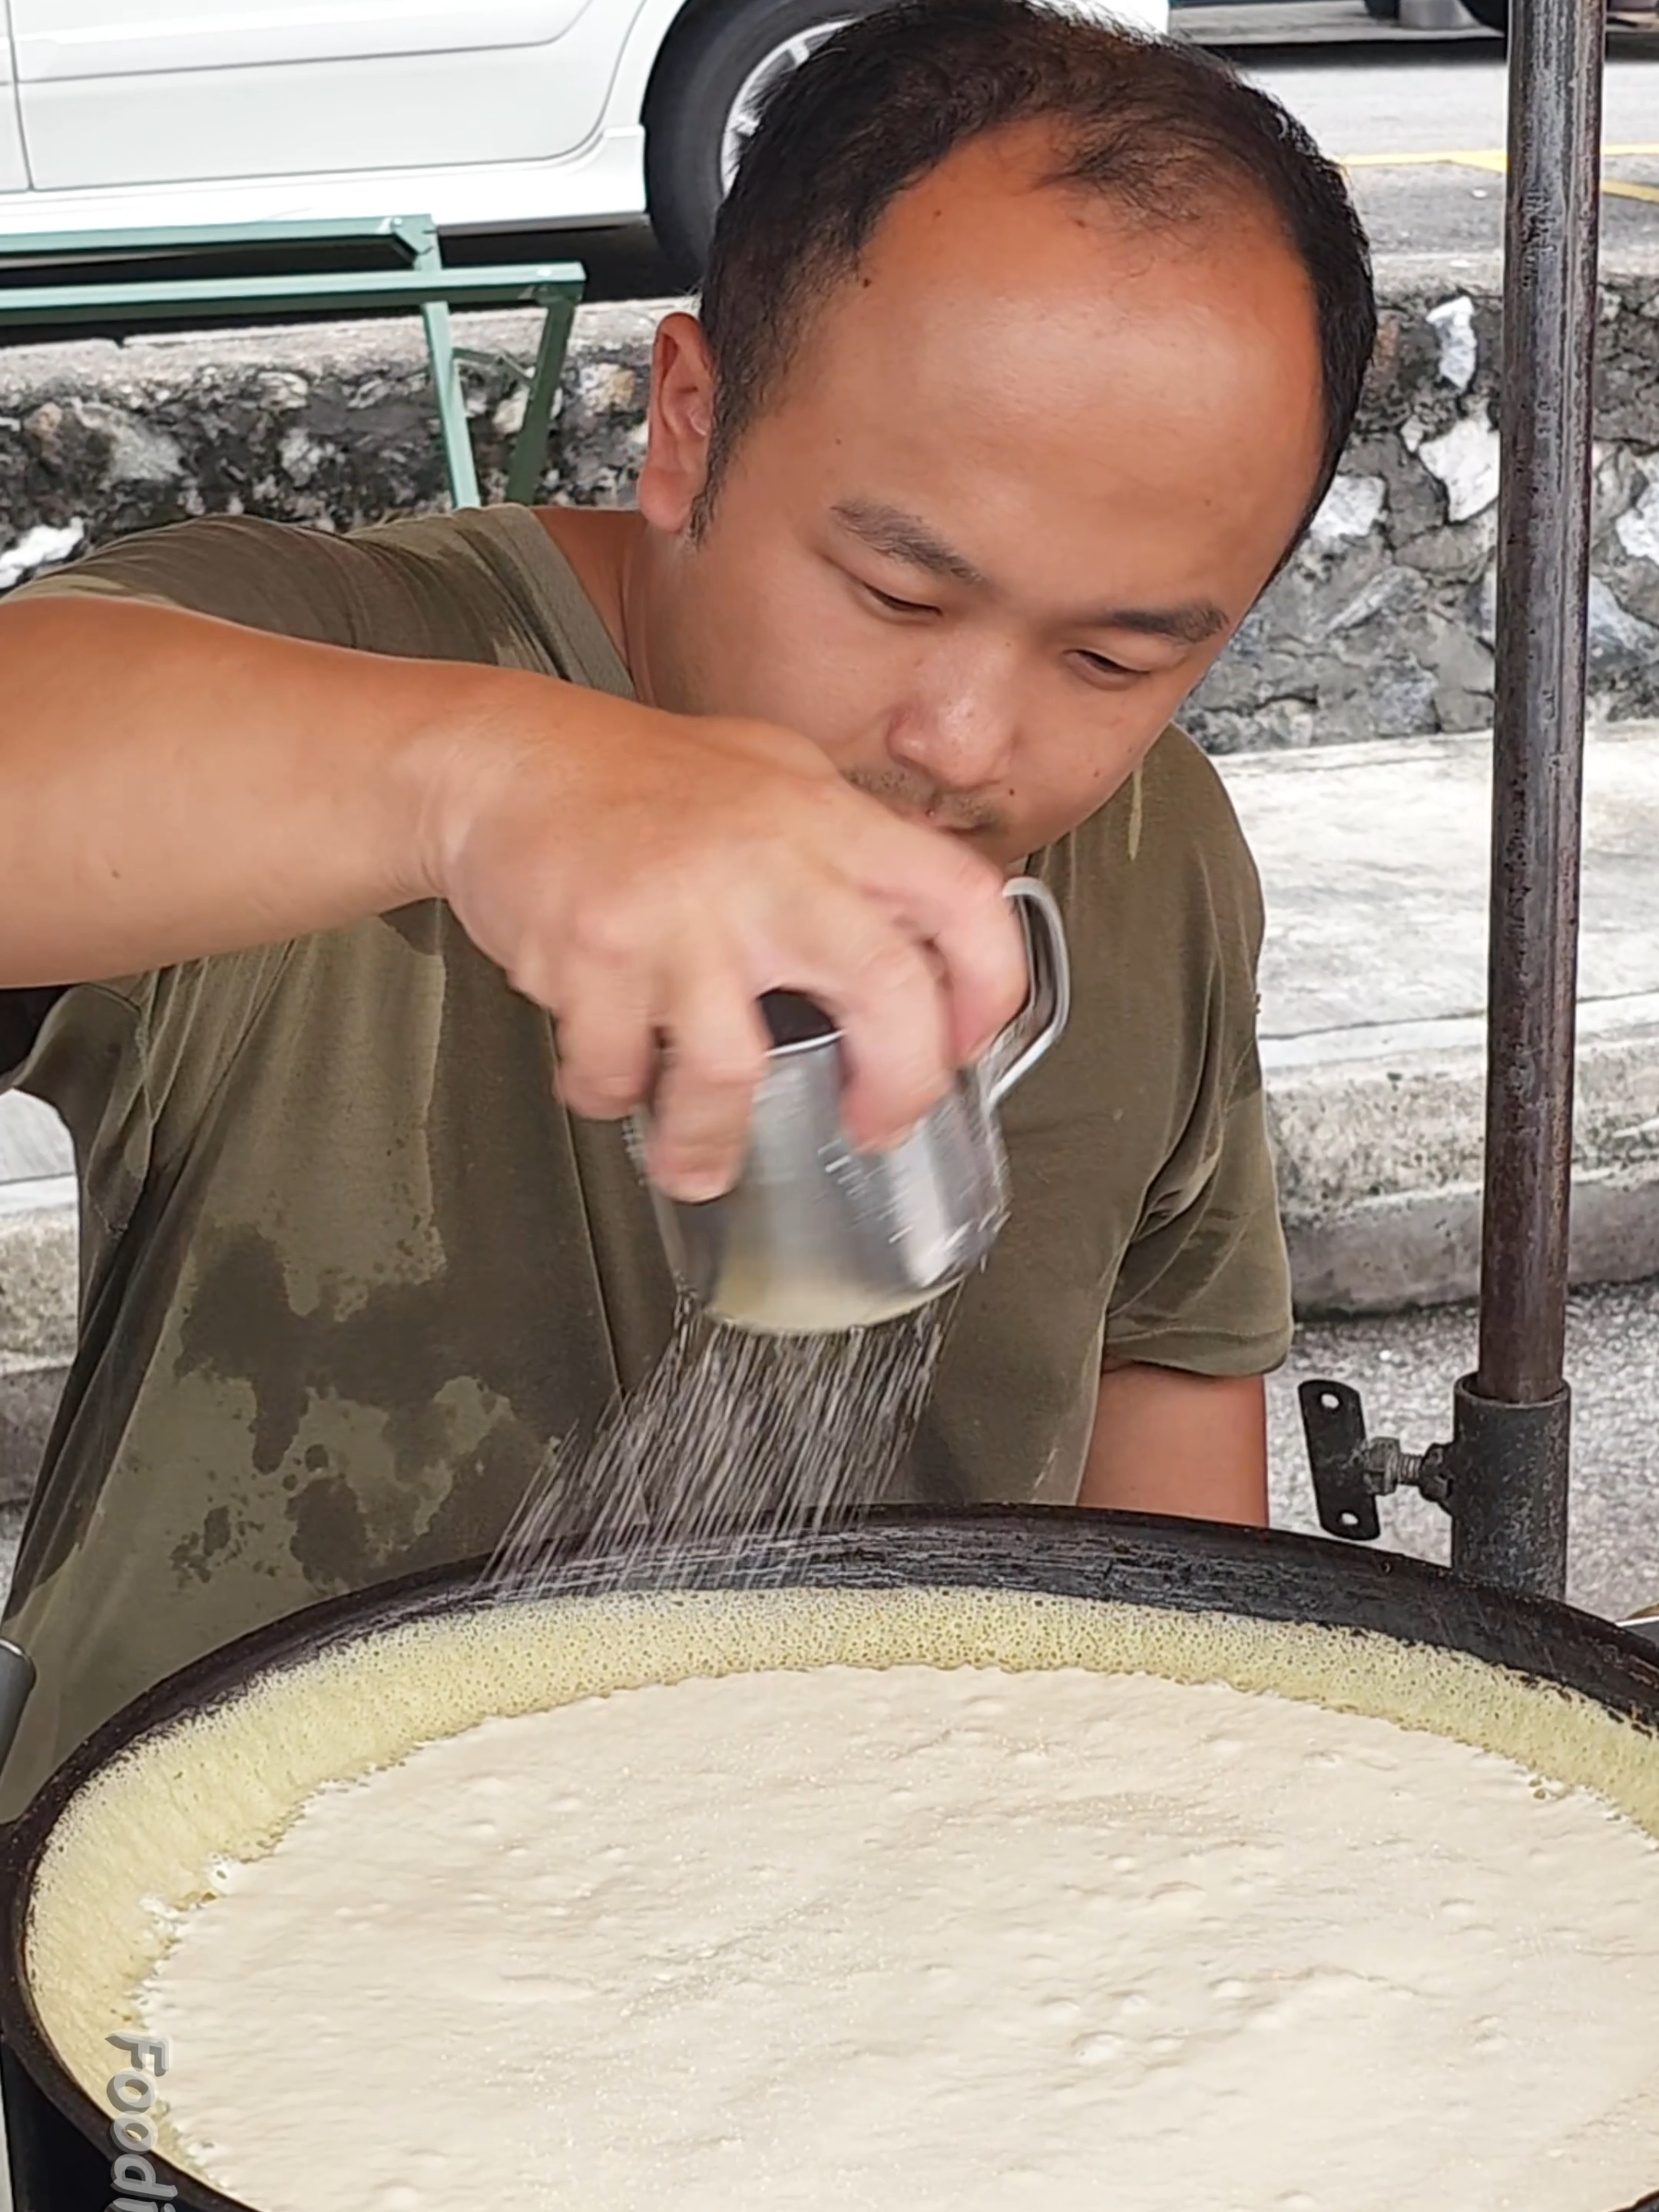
(1188, 624)
(905, 538)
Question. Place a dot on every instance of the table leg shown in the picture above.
(452, 407)
(530, 448)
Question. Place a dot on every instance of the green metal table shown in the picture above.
(132, 280)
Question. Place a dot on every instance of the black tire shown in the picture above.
(1385, 11)
(1494, 13)
(706, 61)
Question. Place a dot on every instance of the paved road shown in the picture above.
(1376, 100)
(1405, 1366)
(1428, 96)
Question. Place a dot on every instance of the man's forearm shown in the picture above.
(1170, 1443)
(171, 786)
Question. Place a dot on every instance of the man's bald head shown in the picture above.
(1175, 141)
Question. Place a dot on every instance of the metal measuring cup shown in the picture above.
(816, 1236)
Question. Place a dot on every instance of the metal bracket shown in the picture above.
(1351, 1470)
(1502, 1478)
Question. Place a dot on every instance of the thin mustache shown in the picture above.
(945, 810)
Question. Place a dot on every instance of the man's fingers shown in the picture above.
(987, 977)
(942, 891)
(607, 1046)
(884, 990)
(716, 1056)
(882, 987)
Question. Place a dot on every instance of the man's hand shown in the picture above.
(1170, 1443)
(646, 877)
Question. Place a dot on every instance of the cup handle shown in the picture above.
(1017, 1049)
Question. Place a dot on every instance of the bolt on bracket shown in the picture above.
(1351, 1470)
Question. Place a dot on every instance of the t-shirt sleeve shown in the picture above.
(1205, 1285)
(424, 587)
(265, 575)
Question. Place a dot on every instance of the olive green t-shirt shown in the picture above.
(347, 1268)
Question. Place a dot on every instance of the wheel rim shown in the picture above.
(743, 115)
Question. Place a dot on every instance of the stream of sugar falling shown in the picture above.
(731, 1432)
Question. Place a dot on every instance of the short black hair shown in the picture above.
(1163, 128)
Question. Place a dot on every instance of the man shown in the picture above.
(1026, 351)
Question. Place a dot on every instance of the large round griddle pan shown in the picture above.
(60, 2148)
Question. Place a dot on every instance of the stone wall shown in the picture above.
(331, 425)
(1382, 626)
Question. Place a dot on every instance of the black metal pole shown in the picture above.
(1509, 1507)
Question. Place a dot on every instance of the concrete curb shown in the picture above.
(1423, 1247)
(1380, 1167)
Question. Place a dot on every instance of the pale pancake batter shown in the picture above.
(929, 1938)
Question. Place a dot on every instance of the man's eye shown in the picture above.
(896, 605)
(1098, 663)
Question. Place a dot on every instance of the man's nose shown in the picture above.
(959, 729)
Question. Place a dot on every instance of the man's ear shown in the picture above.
(681, 416)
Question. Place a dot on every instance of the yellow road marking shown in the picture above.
(1496, 164)
(1483, 157)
